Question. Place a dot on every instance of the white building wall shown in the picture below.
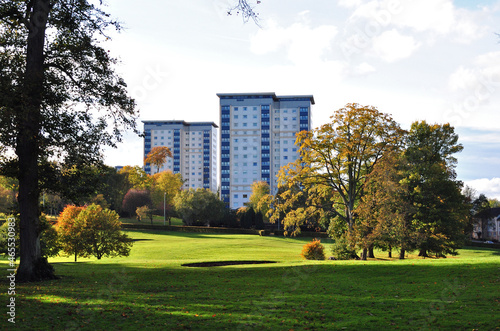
(190, 152)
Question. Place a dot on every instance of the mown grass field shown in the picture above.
(151, 290)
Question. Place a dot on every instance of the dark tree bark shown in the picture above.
(370, 252)
(32, 267)
(423, 253)
(364, 254)
(402, 254)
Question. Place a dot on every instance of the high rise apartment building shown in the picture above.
(258, 133)
(194, 150)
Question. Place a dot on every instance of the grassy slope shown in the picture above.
(150, 289)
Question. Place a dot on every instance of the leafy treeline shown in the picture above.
(373, 184)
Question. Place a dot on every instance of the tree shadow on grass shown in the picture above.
(320, 296)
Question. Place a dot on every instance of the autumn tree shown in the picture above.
(333, 165)
(384, 214)
(68, 231)
(158, 156)
(137, 177)
(58, 96)
(93, 231)
(413, 200)
(166, 185)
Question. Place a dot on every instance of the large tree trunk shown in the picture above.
(370, 252)
(390, 252)
(423, 253)
(402, 254)
(364, 254)
(32, 266)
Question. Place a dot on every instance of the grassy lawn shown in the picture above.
(151, 290)
(157, 220)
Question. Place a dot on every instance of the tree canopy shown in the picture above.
(59, 98)
(334, 162)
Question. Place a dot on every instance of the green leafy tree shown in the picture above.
(494, 203)
(58, 94)
(199, 207)
(479, 207)
(145, 212)
(441, 212)
(260, 199)
(92, 231)
(333, 166)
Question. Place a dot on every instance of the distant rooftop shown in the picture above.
(181, 122)
(265, 94)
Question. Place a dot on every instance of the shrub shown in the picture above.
(313, 250)
(341, 249)
(49, 239)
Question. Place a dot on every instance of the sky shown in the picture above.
(432, 60)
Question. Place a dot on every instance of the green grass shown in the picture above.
(157, 220)
(151, 290)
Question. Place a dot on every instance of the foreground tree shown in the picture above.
(58, 93)
(333, 166)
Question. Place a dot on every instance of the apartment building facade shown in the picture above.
(194, 150)
(258, 134)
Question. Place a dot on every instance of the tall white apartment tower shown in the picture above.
(194, 150)
(258, 133)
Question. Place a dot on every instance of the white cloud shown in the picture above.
(438, 17)
(392, 46)
(486, 186)
(364, 68)
(475, 89)
(350, 3)
(304, 44)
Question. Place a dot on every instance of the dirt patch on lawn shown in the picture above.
(223, 263)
